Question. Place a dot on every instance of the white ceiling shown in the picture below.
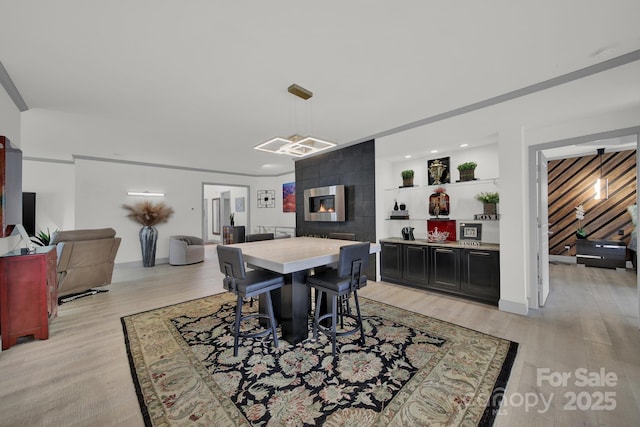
(199, 83)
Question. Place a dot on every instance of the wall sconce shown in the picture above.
(601, 187)
(144, 194)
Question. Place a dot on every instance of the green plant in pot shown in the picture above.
(407, 178)
(467, 171)
(42, 238)
(489, 202)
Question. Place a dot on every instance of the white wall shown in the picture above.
(270, 217)
(96, 190)
(9, 119)
(54, 185)
(10, 128)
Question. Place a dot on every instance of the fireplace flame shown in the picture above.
(324, 209)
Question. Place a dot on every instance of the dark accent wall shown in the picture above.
(353, 167)
(571, 184)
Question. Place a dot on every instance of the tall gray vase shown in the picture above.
(148, 239)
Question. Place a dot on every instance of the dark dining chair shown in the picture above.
(257, 237)
(339, 283)
(248, 284)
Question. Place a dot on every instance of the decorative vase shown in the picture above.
(490, 208)
(403, 207)
(581, 235)
(395, 206)
(148, 240)
(439, 204)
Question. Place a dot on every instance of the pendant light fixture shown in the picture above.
(601, 187)
(295, 145)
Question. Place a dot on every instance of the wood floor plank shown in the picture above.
(80, 376)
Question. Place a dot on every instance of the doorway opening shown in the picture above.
(540, 227)
(221, 202)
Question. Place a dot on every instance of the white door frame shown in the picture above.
(542, 222)
(532, 291)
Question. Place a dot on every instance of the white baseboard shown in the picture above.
(513, 307)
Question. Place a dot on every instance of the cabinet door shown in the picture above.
(481, 274)
(416, 261)
(445, 269)
(391, 260)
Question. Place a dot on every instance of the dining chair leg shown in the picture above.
(272, 319)
(334, 321)
(355, 297)
(316, 319)
(236, 332)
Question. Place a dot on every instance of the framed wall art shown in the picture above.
(239, 204)
(469, 231)
(439, 171)
(289, 197)
(266, 198)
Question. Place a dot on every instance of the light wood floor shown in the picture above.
(81, 376)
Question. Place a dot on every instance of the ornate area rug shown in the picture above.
(413, 371)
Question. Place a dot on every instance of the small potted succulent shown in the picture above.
(489, 202)
(407, 178)
(467, 171)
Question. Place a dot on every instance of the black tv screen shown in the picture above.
(29, 213)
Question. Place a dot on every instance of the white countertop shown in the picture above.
(295, 254)
(456, 244)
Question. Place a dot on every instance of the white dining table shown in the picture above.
(294, 258)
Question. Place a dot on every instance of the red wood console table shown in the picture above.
(28, 294)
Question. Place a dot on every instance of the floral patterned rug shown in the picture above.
(413, 371)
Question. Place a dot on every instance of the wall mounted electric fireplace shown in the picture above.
(324, 204)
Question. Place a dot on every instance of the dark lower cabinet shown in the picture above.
(416, 263)
(391, 260)
(481, 274)
(445, 269)
(472, 273)
(601, 253)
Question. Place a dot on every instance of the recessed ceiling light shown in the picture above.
(434, 151)
(464, 145)
(408, 156)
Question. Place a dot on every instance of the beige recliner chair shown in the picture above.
(185, 250)
(85, 258)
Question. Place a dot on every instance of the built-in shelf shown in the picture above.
(429, 187)
(456, 219)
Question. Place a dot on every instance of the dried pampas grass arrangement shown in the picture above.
(146, 213)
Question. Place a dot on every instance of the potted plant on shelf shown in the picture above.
(489, 202)
(467, 171)
(149, 215)
(407, 178)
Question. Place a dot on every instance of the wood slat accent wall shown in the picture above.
(571, 183)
